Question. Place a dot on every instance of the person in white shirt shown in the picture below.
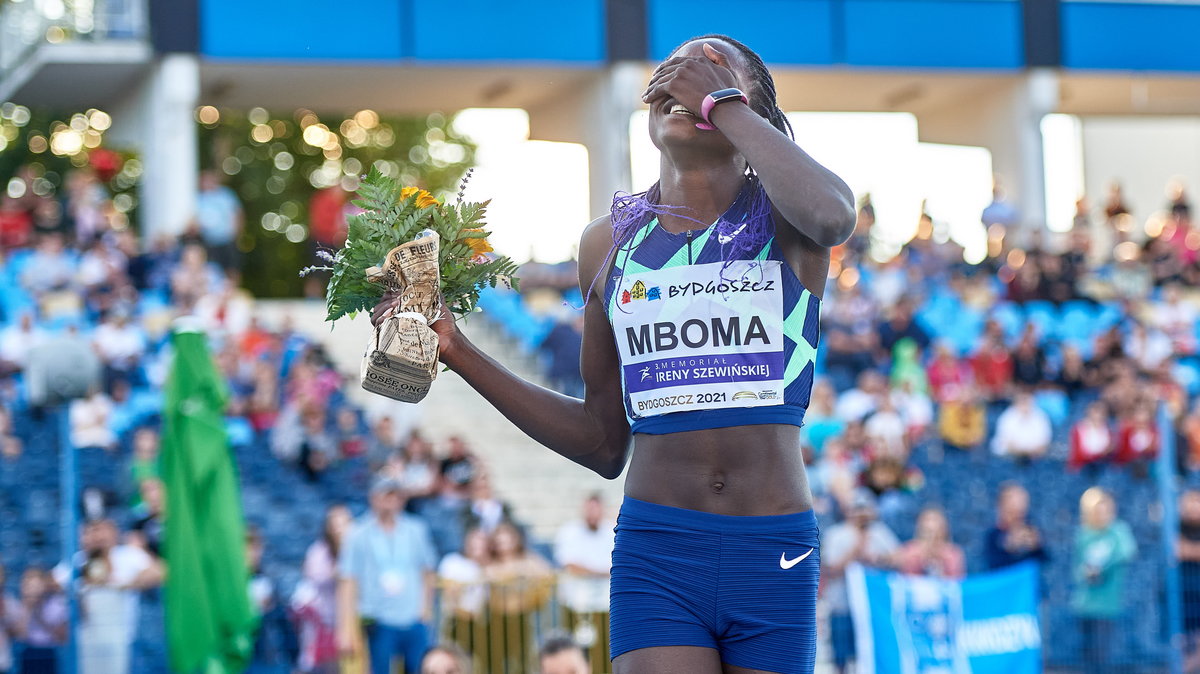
(858, 403)
(583, 548)
(109, 577)
(16, 341)
(887, 429)
(462, 577)
(119, 343)
(90, 422)
(1023, 430)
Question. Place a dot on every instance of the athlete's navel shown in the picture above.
(717, 486)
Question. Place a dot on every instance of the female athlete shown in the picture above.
(702, 301)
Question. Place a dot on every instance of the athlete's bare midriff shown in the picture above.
(742, 470)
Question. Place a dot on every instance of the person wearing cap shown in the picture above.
(386, 582)
(860, 538)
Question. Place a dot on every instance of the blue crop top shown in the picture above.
(709, 345)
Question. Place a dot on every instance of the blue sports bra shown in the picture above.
(705, 342)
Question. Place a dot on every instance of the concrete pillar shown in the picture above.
(159, 122)
(1006, 119)
(596, 114)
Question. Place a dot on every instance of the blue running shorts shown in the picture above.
(745, 586)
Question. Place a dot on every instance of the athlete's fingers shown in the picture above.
(658, 77)
(658, 90)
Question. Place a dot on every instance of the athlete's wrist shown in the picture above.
(715, 100)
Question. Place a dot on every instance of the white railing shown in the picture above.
(26, 25)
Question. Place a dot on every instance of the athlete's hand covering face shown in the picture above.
(689, 78)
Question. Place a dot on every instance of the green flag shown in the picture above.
(210, 622)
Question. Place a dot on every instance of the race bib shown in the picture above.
(697, 338)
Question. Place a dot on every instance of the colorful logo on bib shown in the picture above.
(639, 291)
(745, 395)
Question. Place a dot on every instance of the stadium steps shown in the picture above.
(545, 490)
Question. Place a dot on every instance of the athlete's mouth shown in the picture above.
(670, 106)
(679, 109)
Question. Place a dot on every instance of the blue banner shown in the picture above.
(984, 624)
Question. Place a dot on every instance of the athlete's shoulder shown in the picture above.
(598, 233)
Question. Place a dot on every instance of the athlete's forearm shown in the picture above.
(564, 424)
(814, 200)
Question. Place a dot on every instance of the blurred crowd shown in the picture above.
(73, 268)
(1055, 348)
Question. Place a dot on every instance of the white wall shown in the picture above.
(1143, 154)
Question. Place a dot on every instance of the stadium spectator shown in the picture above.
(1012, 539)
(382, 443)
(1023, 430)
(559, 654)
(1104, 547)
(314, 601)
(1137, 438)
(1188, 552)
(110, 575)
(931, 552)
(861, 539)
(463, 580)
(849, 335)
(1148, 347)
(1189, 449)
(858, 403)
(386, 577)
(50, 268)
(10, 445)
(458, 468)
(520, 578)
(16, 341)
(820, 423)
(1177, 319)
(193, 278)
(41, 625)
(89, 418)
(273, 640)
(900, 325)
(486, 511)
(421, 471)
(10, 616)
(143, 463)
(948, 375)
(583, 550)
(835, 476)
(1028, 360)
(148, 527)
(1091, 438)
(1073, 376)
(993, 366)
(446, 659)
(887, 430)
(962, 420)
(220, 219)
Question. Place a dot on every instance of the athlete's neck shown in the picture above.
(706, 191)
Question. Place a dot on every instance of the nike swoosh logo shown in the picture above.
(785, 563)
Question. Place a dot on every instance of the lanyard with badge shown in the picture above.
(391, 580)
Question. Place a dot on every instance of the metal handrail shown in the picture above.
(500, 624)
(26, 26)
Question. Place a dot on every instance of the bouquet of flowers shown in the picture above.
(408, 242)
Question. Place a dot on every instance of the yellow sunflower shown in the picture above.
(479, 244)
(424, 198)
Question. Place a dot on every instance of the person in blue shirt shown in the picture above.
(386, 582)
